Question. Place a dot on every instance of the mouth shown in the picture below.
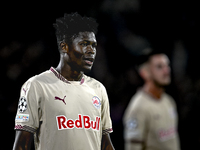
(88, 60)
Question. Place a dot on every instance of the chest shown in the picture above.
(71, 100)
(163, 114)
(163, 121)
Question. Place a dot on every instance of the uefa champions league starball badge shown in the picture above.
(22, 106)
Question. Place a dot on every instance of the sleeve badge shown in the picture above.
(22, 106)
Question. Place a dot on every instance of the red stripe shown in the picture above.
(107, 131)
(59, 76)
(25, 128)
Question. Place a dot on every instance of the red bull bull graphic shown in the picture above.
(83, 122)
(96, 102)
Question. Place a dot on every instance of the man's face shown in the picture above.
(83, 51)
(160, 70)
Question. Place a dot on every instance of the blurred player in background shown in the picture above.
(150, 120)
(63, 108)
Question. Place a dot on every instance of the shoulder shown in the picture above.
(97, 87)
(138, 104)
(169, 99)
(38, 79)
(139, 100)
(168, 96)
(93, 82)
(42, 77)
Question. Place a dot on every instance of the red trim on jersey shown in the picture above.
(107, 131)
(59, 76)
(25, 128)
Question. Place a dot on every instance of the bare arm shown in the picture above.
(106, 143)
(23, 140)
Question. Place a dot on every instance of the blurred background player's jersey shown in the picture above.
(64, 114)
(151, 123)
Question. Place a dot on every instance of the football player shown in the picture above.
(62, 108)
(150, 120)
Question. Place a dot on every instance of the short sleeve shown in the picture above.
(28, 114)
(135, 122)
(105, 113)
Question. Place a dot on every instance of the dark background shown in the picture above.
(127, 28)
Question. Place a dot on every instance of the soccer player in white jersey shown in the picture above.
(62, 108)
(150, 120)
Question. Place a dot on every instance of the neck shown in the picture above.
(67, 72)
(153, 90)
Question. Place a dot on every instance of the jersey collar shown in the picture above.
(60, 77)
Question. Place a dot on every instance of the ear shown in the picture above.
(64, 47)
(144, 73)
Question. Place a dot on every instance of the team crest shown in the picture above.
(96, 102)
(22, 106)
(131, 124)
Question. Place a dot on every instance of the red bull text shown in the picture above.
(83, 121)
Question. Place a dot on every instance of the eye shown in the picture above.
(83, 44)
(159, 66)
(94, 45)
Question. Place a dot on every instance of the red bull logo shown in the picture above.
(96, 102)
(167, 134)
(83, 121)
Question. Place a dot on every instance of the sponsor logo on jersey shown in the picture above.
(25, 90)
(22, 117)
(60, 99)
(167, 134)
(83, 122)
(96, 102)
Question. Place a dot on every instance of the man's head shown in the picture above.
(156, 69)
(76, 40)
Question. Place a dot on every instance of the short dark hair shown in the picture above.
(142, 59)
(69, 26)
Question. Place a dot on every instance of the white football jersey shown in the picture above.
(62, 114)
(154, 122)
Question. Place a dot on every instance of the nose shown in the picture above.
(90, 49)
(167, 70)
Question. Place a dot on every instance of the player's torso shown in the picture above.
(71, 111)
(71, 100)
(162, 130)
